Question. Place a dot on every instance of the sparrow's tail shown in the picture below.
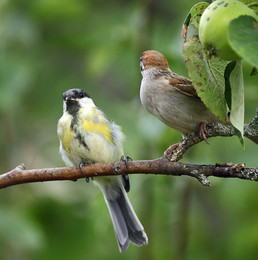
(126, 224)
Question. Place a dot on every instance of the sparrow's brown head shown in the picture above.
(153, 59)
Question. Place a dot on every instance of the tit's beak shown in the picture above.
(70, 100)
(71, 104)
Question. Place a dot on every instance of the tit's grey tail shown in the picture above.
(126, 224)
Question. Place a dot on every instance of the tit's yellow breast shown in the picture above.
(64, 132)
(98, 128)
(66, 140)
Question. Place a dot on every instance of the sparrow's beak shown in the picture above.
(141, 64)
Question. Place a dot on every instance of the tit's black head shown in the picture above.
(71, 98)
(74, 93)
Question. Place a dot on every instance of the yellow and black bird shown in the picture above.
(86, 136)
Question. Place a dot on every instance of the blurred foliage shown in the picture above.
(49, 46)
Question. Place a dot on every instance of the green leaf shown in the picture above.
(195, 14)
(247, 2)
(243, 38)
(207, 75)
(237, 100)
(253, 4)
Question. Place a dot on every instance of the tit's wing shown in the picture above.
(182, 84)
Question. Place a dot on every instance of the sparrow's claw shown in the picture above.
(203, 132)
(170, 149)
(125, 176)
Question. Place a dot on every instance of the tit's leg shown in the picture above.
(203, 132)
(125, 159)
(81, 164)
(125, 177)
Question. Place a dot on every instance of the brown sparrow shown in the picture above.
(171, 97)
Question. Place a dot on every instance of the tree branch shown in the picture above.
(213, 130)
(159, 166)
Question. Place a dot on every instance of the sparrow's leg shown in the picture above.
(170, 149)
(203, 132)
(125, 176)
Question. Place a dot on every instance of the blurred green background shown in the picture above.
(50, 46)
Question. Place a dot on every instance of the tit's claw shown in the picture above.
(203, 132)
(126, 159)
(125, 177)
(81, 164)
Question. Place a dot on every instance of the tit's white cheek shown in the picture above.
(86, 102)
(64, 106)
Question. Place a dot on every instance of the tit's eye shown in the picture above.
(81, 95)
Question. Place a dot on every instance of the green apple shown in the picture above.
(214, 24)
